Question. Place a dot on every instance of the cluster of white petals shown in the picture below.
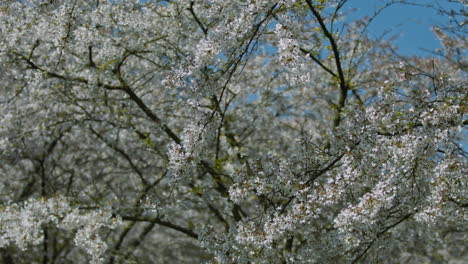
(24, 224)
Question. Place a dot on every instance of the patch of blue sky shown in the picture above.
(411, 25)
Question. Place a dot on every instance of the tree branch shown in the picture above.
(160, 222)
(200, 24)
(342, 80)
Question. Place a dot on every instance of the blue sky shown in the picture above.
(412, 24)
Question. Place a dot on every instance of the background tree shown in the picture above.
(226, 131)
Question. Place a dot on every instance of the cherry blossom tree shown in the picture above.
(247, 131)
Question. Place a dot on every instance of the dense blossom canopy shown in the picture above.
(227, 131)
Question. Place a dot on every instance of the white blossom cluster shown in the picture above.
(23, 224)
